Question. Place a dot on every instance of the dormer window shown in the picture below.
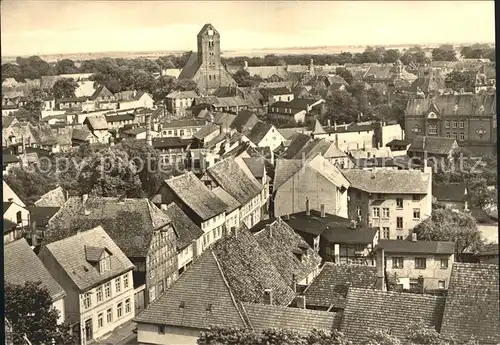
(98, 257)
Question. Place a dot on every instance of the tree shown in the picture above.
(64, 88)
(382, 337)
(65, 66)
(164, 85)
(9, 70)
(186, 85)
(451, 225)
(344, 73)
(457, 80)
(29, 183)
(392, 55)
(34, 104)
(29, 309)
(165, 62)
(439, 54)
(341, 107)
(244, 79)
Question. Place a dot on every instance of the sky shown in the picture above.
(31, 27)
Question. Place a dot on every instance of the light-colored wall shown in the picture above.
(432, 274)
(187, 132)
(11, 214)
(250, 213)
(184, 257)
(212, 229)
(149, 334)
(391, 132)
(307, 183)
(233, 219)
(59, 305)
(8, 193)
(272, 139)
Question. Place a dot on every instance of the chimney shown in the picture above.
(33, 233)
(268, 296)
(85, 197)
(287, 217)
(149, 139)
(234, 231)
(381, 270)
(269, 230)
(246, 64)
(335, 125)
(323, 211)
(336, 253)
(163, 206)
(329, 123)
(227, 144)
(294, 283)
(308, 210)
(414, 237)
(194, 243)
(353, 224)
(301, 302)
(423, 142)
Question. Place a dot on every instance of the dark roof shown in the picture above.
(279, 241)
(120, 117)
(205, 297)
(449, 192)
(185, 228)
(276, 91)
(249, 270)
(191, 67)
(256, 165)
(389, 181)
(398, 142)
(8, 225)
(330, 287)
(467, 105)
(472, 303)
(296, 103)
(206, 130)
(129, 222)
(232, 203)
(368, 310)
(258, 132)
(263, 317)
(244, 121)
(70, 254)
(100, 91)
(297, 142)
(81, 134)
(41, 215)
(9, 158)
(171, 142)
(183, 123)
(22, 265)
(432, 145)
(400, 162)
(417, 247)
(228, 175)
(195, 195)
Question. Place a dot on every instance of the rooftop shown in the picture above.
(185, 228)
(417, 247)
(389, 181)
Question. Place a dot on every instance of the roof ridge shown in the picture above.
(233, 299)
(426, 296)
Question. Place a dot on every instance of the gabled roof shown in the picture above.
(129, 222)
(249, 270)
(41, 215)
(244, 121)
(97, 122)
(258, 132)
(196, 196)
(262, 317)
(280, 242)
(9, 158)
(298, 142)
(391, 311)
(472, 303)
(417, 247)
(190, 68)
(330, 287)
(119, 117)
(70, 254)
(182, 94)
(228, 175)
(454, 105)
(324, 147)
(22, 265)
(433, 145)
(54, 198)
(206, 131)
(449, 192)
(389, 181)
(232, 203)
(199, 299)
(80, 134)
(183, 123)
(101, 91)
(185, 228)
(256, 165)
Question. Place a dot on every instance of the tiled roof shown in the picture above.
(389, 181)
(70, 254)
(171, 142)
(256, 165)
(41, 214)
(200, 298)
(182, 94)
(97, 122)
(472, 303)
(287, 133)
(225, 120)
(206, 131)
(129, 222)
(297, 144)
(258, 132)
(183, 123)
(267, 71)
(54, 198)
(232, 203)
(9, 158)
(7, 121)
(264, 317)
(244, 121)
(81, 134)
(135, 131)
(120, 117)
(285, 169)
(100, 92)
(331, 285)
(432, 145)
(185, 228)
(249, 270)
(195, 195)
(325, 148)
(417, 247)
(391, 311)
(275, 91)
(228, 175)
(22, 265)
(449, 192)
(454, 105)
(280, 242)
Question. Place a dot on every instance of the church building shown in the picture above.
(205, 67)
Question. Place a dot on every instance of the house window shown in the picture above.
(441, 284)
(399, 237)
(161, 286)
(385, 212)
(447, 124)
(461, 137)
(119, 310)
(432, 129)
(420, 263)
(152, 294)
(125, 281)
(399, 222)
(105, 264)
(453, 135)
(376, 212)
(19, 217)
(453, 124)
(414, 284)
(107, 290)
(99, 294)
(358, 211)
(444, 263)
(161, 329)
(461, 124)
(169, 132)
(399, 203)
(386, 232)
(416, 213)
(397, 262)
(87, 300)
(118, 284)
(100, 320)
(127, 306)
(447, 134)
(109, 315)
